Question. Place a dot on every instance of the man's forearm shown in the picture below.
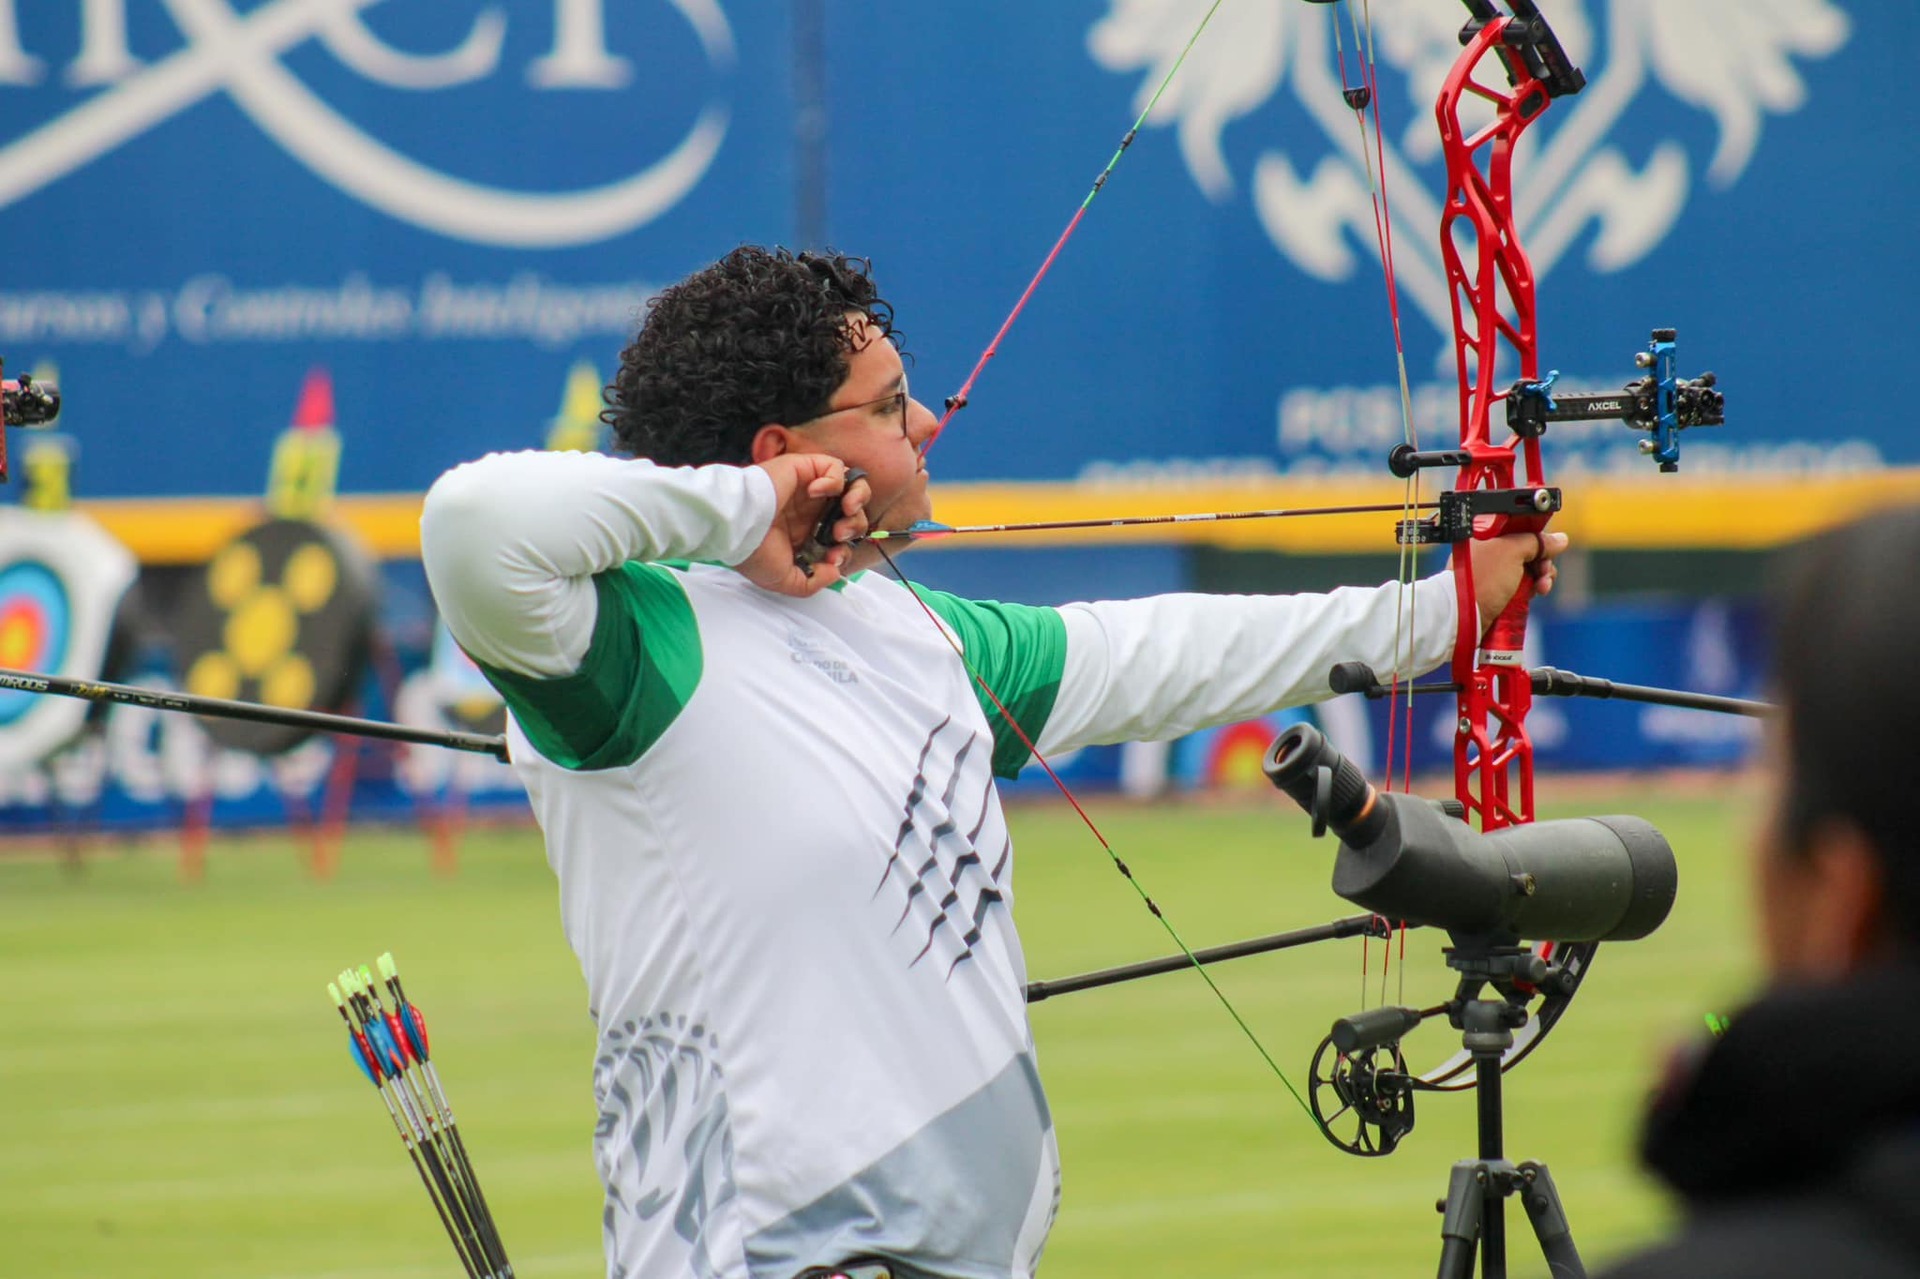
(1142, 670)
(511, 543)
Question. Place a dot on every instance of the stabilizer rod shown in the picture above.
(1547, 681)
(1352, 926)
(187, 703)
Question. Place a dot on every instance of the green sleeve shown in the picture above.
(1019, 652)
(640, 669)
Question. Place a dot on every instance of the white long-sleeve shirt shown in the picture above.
(782, 859)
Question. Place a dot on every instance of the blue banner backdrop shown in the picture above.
(448, 205)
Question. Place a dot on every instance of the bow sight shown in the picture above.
(1660, 404)
(26, 402)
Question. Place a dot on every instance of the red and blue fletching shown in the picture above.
(401, 1040)
(363, 1057)
(416, 1024)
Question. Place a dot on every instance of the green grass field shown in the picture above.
(176, 1097)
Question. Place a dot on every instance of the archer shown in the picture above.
(766, 778)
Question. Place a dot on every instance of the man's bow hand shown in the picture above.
(1500, 564)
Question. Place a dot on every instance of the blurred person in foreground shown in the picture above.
(769, 795)
(1795, 1138)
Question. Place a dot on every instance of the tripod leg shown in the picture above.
(1549, 1219)
(1460, 1224)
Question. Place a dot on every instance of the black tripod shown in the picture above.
(1477, 1190)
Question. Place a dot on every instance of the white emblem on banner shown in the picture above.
(240, 55)
(1730, 58)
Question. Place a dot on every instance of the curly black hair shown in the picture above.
(760, 336)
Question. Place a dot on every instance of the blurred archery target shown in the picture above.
(34, 614)
(1229, 757)
(282, 614)
(62, 580)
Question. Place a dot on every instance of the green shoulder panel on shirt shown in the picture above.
(1020, 652)
(639, 671)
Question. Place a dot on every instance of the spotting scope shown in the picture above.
(1406, 858)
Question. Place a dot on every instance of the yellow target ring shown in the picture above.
(290, 683)
(233, 575)
(19, 640)
(310, 577)
(213, 675)
(261, 630)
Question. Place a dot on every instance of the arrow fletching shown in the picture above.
(390, 1047)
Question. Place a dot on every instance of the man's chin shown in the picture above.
(866, 555)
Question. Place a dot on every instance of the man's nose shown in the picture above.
(920, 422)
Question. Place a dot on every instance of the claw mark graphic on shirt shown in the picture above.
(663, 1139)
(939, 884)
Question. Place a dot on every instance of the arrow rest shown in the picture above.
(1462, 509)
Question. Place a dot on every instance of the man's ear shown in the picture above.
(769, 442)
(1843, 899)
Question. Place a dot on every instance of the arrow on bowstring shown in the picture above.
(926, 530)
(1351, 926)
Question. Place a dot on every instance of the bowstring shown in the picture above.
(1365, 99)
(958, 401)
(1119, 863)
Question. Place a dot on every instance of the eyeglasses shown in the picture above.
(894, 410)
